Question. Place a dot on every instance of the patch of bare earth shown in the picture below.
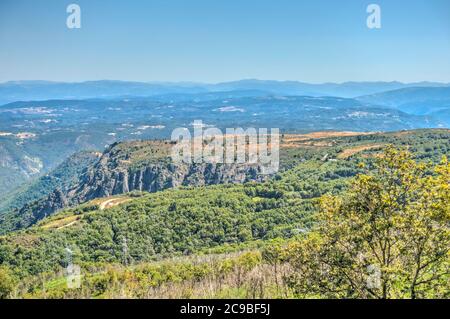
(109, 203)
(357, 149)
(62, 222)
(313, 139)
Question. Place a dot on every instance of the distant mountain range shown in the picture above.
(45, 90)
(37, 135)
(48, 121)
(346, 89)
(414, 100)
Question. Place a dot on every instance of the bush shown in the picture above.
(7, 282)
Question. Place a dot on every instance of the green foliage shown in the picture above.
(7, 282)
(367, 205)
(171, 277)
(387, 237)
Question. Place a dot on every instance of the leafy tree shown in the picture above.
(388, 237)
(7, 282)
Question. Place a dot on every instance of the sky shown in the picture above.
(222, 40)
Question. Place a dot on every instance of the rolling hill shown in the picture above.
(107, 235)
(413, 100)
(45, 90)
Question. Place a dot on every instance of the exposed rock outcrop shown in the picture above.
(123, 168)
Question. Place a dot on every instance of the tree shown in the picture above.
(7, 282)
(388, 237)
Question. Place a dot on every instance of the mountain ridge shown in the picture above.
(122, 168)
(41, 90)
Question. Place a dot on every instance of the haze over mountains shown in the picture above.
(414, 100)
(44, 90)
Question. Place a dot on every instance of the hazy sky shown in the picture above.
(220, 40)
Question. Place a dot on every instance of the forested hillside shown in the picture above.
(340, 205)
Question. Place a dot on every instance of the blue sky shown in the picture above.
(221, 40)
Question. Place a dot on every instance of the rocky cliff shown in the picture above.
(135, 166)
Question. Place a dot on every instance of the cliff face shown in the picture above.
(136, 166)
(101, 181)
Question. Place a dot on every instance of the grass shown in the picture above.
(62, 222)
(354, 150)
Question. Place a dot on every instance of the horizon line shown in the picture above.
(185, 82)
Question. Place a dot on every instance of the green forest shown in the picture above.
(363, 216)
